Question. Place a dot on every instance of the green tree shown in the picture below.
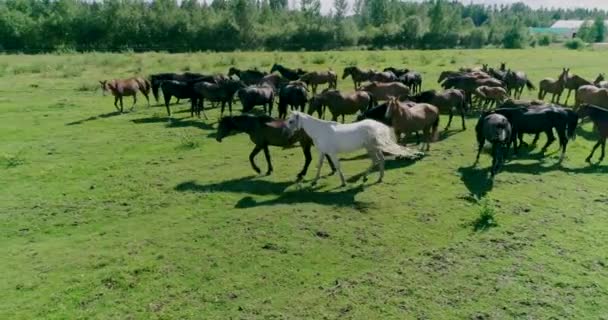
(600, 29)
(340, 9)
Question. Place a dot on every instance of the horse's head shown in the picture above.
(314, 105)
(583, 111)
(503, 66)
(391, 105)
(225, 126)
(601, 77)
(233, 71)
(105, 86)
(347, 72)
(275, 67)
(294, 122)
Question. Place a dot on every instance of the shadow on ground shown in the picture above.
(250, 185)
(101, 116)
(176, 122)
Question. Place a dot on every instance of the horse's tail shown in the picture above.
(572, 124)
(385, 141)
(530, 85)
(435, 132)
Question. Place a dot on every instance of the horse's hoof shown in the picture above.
(332, 173)
(314, 183)
(364, 179)
(268, 173)
(379, 180)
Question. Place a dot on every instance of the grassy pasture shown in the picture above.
(131, 216)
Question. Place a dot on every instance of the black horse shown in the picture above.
(257, 96)
(397, 72)
(292, 95)
(222, 91)
(497, 130)
(249, 77)
(265, 131)
(157, 79)
(539, 120)
(290, 74)
(180, 90)
(413, 80)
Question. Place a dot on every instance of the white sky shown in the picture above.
(327, 5)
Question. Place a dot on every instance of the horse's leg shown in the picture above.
(603, 149)
(167, 100)
(427, 134)
(550, 139)
(121, 105)
(563, 141)
(373, 156)
(536, 137)
(116, 103)
(201, 108)
(567, 96)
(480, 143)
(134, 101)
(307, 159)
(380, 157)
(267, 155)
(336, 161)
(450, 120)
(599, 142)
(343, 118)
(255, 151)
(319, 165)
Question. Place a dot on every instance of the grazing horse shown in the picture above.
(516, 81)
(126, 87)
(385, 76)
(491, 95)
(358, 75)
(397, 72)
(180, 90)
(599, 116)
(290, 74)
(413, 80)
(600, 81)
(316, 78)
(591, 95)
(340, 104)
(249, 77)
(265, 131)
(573, 82)
(257, 96)
(555, 87)
(448, 100)
(332, 138)
(413, 117)
(539, 120)
(451, 74)
(223, 92)
(293, 95)
(497, 130)
(383, 91)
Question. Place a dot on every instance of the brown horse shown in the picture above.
(316, 78)
(555, 87)
(516, 81)
(408, 117)
(358, 75)
(491, 95)
(265, 131)
(446, 101)
(126, 87)
(450, 74)
(340, 104)
(383, 91)
(599, 116)
(573, 82)
(384, 76)
(593, 95)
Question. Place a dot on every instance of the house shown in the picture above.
(567, 28)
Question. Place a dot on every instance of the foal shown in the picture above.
(126, 87)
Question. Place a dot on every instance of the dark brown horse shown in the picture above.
(126, 87)
(223, 92)
(599, 116)
(289, 74)
(446, 101)
(257, 96)
(358, 75)
(341, 104)
(495, 128)
(294, 95)
(249, 77)
(265, 131)
(180, 90)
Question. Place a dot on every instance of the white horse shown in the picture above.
(332, 138)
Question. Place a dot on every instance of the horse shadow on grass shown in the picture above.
(97, 117)
(250, 185)
(477, 180)
(176, 122)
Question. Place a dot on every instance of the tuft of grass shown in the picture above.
(188, 142)
(12, 160)
(486, 218)
(319, 59)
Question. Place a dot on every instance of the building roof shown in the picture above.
(572, 24)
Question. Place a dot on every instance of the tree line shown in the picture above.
(33, 26)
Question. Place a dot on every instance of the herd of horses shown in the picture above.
(390, 105)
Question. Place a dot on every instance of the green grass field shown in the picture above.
(130, 216)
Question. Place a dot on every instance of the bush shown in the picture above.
(544, 40)
(514, 39)
(476, 39)
(575, 44)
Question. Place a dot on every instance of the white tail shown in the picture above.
(385, 141)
